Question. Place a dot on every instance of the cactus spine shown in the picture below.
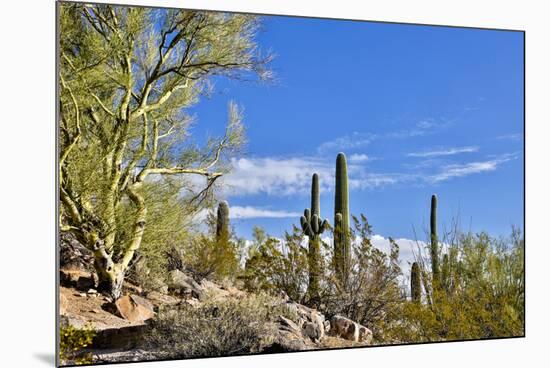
(415, 283)
(313, 227)
(342, 246)
(222, 221)
(434, 251)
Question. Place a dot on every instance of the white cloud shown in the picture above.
(247, 212)
(407, 249)
(292, 176)
(358, 157)
(444, 152)
(276, 176)
(282, 177)
(460, 170)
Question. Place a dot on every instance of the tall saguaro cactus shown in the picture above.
(222, 221)
(415, 283)
(313, 227)
(434, 251)
(342, 246)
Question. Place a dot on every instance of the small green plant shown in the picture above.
(72, 341)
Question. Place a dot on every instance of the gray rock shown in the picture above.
(347, 329)
(183, 284)
(311, 330)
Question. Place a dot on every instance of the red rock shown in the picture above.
(134, 308)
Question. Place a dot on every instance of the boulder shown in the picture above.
(159, 299)
(63, 304)
(134, 308)
(311, 330)
(305, 316)
(183, 284)
(347, 329)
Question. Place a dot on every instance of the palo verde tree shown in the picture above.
(127, 76)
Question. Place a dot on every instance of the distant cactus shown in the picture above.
(342, 246)
(446, 273)
(415, 283)
(313, 227)
(222, 221)
(434, 251)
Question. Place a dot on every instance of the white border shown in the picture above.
(27, 180)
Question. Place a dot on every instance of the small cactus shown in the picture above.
(313, 227)
(434, 251)
(415, 283)
(222, 221)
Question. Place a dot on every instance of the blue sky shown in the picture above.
(416, 109)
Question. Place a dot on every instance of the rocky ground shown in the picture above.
(120, 325)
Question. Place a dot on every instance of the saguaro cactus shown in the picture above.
(342, 246)
(222, 221)
(415, 283)
(313, 227)
(434, 247)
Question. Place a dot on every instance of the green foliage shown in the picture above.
(128, 77)
(215, 328)
(372, 293)
(218, 258)
(482, 296)
(277, 266)
(342, 241)
(72, 341)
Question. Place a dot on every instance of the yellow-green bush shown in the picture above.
(72, 341)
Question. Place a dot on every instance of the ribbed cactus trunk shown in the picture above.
(416, 290)
(222, 221)
(342, 245)
(434, 246)
(313, 227)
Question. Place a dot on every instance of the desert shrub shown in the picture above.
(206, 257)
(72, 342)
(215, 328)
(480, 294)
(277, 265)
(371, 294)
(177, 243)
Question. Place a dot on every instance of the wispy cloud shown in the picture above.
(248, 212)
(359, 140)
(351, 141)
(444, 152)
(510, 137)
(470, 168)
